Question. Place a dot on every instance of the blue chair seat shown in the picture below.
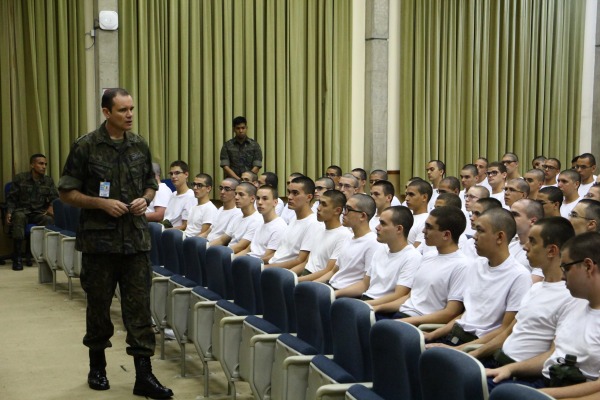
(206, 293)
(332, 370)
(298, 345)
(363, 393)
(161, 270)
(262, 325)
(231, 307)
(183, 281)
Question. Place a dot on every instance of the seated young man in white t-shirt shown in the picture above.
(525, 212)
(329, 241)
(391, 272)
(156, 209)
(577, 333)
(271, 179)
(296, 242)
(240, 231)
(203, 214)
(438, 288)
(226, 213)
(495, 286)
(382, 192)
(357, 253)
(268, 234)
(322, 185)
(418, 194)
(182, 199)
(534, 328)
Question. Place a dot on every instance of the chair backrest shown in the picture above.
(396, 348)
(193, 249)
(171, 241)
(156, 256)
(512, 391)
(313, 315)
(60, 218)
(351, 321)
(246, 273)
(71, 217)
(452, 375)
(277, 285)
(218, 271)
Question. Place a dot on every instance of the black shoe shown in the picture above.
(97, 380)
(146, 383)
(17, 264)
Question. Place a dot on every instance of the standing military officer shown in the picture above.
(109, 175)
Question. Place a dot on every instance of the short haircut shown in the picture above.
(234, 182)
(239, 120)
(271, 179)
(296, 175)
(539, 174)
(366, 204)
(592, 211)
(383, 175)
(181, 164)
(489, 203)
(156, 169)
(450, 200)
(108, 98)
(521, 184)
(583, 246)
(338, 170)
(207, 178)
(571, 174)
(512, 156)
(253, 176)
(338, 199)
(533, 209)
(501, 167)
(361, 172)
(482, 191)
(539, 158)
(308, 186)
(353, 178)
(37, 155)
(450, 219)
(554, 194)
(556, 160)
(422, 187)
(589, 156)
(440, 165)
(329, 183)
(472, 168)
(502, 220)
(574, 159)
(248, 188)
(555, 230)
(272, 189)
(401, 216)
(452, 181)
(386, 187)
(482, 158)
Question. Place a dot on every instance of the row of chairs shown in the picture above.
(295, 341)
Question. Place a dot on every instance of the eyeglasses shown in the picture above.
(175, 173)
(347, 210)
(583, 166)
(346, 186)
(331, 175)
(199, 185)
(512, 190)
(492, 173)
(471, 197)
(226, 188)
(545, 166)
(565, 267)
(573, 214)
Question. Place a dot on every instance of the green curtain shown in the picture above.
(42, 82)
(284, 64)
(489, 77)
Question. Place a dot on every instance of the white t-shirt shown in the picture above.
(279, 207)
(267, 237)
(287, 214)
(425, 249)
(395, 201)
(439, 279)
(373, 223)
(578, 333)
(297, 237)
(434, 196)
(221, 221)
(315, 206)
(542, 307)
(179, 207)
(388, 270)
(492, 291)
(161, 198)
(565, 208)
(416, 232)
(485, 184)
(518, 252)
(499, 197)
(329, 243)
(354, 258)
(585, 187)
(198, 216)
(244, 228)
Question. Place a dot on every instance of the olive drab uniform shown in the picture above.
(115, 249)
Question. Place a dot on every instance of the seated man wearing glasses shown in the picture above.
(511, 162)
(515, 189)
(496, 175)
(202, 215)
(586, 166)
(182, 199)
(551, 169)
(535, 180)
(322, 185)
(585, 217)
(226, 213)
(551, 198)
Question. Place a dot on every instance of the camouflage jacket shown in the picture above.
(31, 196)
(241, 157)
(127, 166)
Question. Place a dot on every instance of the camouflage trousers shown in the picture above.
(20, 219)
(100, 275)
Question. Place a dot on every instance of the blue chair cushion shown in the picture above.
(361, 392)
(67, 233)
(161, 270)
(206, 293)
(298, 345)
(232, 308)
(183, 281)
(54, 228)
(332, 370)
(262, 325)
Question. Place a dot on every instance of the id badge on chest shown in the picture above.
(104, 189)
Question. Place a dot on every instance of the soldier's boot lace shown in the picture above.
(146, 383)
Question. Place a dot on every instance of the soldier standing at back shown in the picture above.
(109, 175)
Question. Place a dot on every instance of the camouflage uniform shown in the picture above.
(241, 157)
(28, 201)
(115, 250)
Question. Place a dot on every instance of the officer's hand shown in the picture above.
(138, 206)
(114, 208)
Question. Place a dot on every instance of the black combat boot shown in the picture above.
(146, 383)
(17, 256)
(97, 377)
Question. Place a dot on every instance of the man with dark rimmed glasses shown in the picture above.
(226, 213)
(202, 215)
(551, 168)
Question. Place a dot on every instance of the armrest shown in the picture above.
(264, 337)
(297, 360)
(204, 304)
(238, 320)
